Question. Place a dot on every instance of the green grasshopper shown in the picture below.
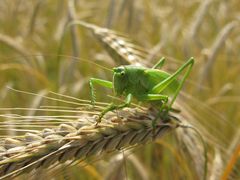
(149, 85)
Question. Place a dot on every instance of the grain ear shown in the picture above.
(75, 142)
(120, 47)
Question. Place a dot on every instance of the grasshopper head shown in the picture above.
(119, 80)
(119, 71)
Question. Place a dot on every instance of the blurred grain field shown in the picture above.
(37, 50)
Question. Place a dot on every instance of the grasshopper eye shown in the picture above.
(119, 70)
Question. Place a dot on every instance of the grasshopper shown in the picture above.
(149, 85)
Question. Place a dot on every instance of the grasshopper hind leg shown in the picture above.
(164, 115)
(164, 84)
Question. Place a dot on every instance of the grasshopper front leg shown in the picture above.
(107, 84)
(112, 107)
(92, 81)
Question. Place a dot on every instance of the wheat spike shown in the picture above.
(79, 140)
(118, 46)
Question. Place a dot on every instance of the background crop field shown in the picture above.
(33, 59)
